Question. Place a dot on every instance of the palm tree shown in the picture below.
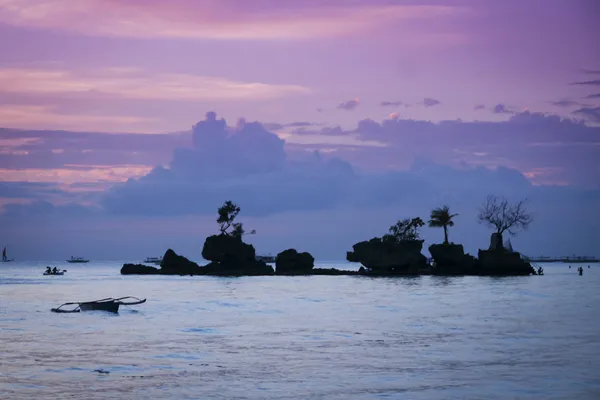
(442, 217)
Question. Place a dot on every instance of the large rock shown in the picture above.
(498, 261)
(224, 248)
(388, 257)
(290, 262)
(230, 256)
(139, 269)
(450, 259)
(503, 263)
(174, 264)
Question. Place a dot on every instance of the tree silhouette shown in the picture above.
(227, 214)
(441, 217)
(498, 213)
(405, 230)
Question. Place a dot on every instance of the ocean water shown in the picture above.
(318, 337)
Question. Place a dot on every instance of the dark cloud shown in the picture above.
(501, 109)
(548, 148)
(595, 82)
(479, 107)
(591, 71)
(333, 131)
(57, 149)
(277, 126)
(429, 102)
(593, 96)
(566, 103)
(251, 164)
(348, 105)
(390, 103)
(45, 209)
(589, 113)
(30, 190)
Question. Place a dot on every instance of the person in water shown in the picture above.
(54, 270)
(48, 270)
(580, 270)
(540, 271)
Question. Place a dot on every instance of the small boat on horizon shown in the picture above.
(153, 260)
(77, 260)
(54, 271)
(266, 258)
(4, 257)
(109, 304)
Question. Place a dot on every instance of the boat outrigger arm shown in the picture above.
(107, 304)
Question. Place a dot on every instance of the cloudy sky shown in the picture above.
(325, 120)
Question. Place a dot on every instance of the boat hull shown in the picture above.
(78, 261)
(54, 273)
(110, 306)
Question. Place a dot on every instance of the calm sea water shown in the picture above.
(320, 337)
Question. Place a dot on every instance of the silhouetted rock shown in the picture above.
(389, 257)
(290, 262)
(230, 256)
(503, 263)
(225, 248)
(450, 259)
(138, 269)
(499, 261)
(496, 242)
(174, 264)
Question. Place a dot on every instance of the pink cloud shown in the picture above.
(132, 83)
(212, 19)
(33, 116)
(73, 175)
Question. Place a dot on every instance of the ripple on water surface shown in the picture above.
(302, 337)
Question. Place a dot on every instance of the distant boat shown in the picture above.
(4, 258)
(108, 304)
(55, 273)
(77, 260)
(153, 260)
(268, 258)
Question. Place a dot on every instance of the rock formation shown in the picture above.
(290, 262)
(139, 269)
(230, 256)
(174, 264)
(450, 259)
(226, 261)
(498, 261)
(389, 257)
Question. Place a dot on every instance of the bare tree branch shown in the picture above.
(498, 213)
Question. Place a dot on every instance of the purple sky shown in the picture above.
(447, 100)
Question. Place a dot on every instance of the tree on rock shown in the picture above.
(441, 217)
(498, 213)
(227, 214)
(405, 230)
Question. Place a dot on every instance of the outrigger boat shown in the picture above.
(109, 304)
